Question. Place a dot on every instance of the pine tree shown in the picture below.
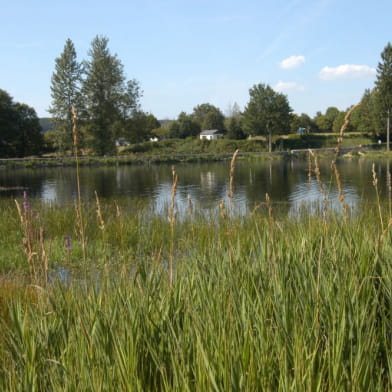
(109, 99)
(65, 88)
(384, 86)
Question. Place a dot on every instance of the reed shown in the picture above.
(231, 181)
(256, 310)
(78, 203)
(259, 302)
(344, 127)
(172, 220)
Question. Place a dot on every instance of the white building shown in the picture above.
(211, 134)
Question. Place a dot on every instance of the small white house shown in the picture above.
(211, 134)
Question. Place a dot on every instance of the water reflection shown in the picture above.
(286, 183)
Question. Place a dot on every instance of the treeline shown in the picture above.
(20, 131)
(108, 109)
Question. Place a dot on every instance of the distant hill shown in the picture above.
(46, 124)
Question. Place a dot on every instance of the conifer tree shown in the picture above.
(109, 98)
(384, 87)
(65, 91)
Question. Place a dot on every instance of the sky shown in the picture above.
(319, 53)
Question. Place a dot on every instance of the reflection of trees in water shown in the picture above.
(207, 183)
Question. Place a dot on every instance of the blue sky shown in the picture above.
(319, 53)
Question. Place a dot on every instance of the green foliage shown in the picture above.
(268, 112)
(324, 122)
(234, 128)
(258, 303)
(138, 128)
(108, 97)
(65, 91)
(338, 122)
(384, 88)
(184, 126)
(20, 131)
(384, 79)
(208, 116)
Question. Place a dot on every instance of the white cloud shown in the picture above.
(347, 71)
(292, 62)
(286, 86)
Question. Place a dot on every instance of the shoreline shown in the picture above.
(119, 160)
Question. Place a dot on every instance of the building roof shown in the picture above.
(210, 132)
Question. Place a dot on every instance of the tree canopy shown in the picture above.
(268, 112)
(65, 88)
(20, 131)
(384, 86)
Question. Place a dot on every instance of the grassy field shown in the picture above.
(110, 296)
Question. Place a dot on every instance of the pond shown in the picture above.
(287, 183)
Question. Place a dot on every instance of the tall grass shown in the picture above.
(253, 305)
(140, 302)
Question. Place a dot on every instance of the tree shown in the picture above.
(20, 131)
(339, 121)
(65, 91)
(139, 127)
(267, 112)
(331, 113)
(184, 126)
(384, 86)
(208, 116)
(234, 129)
(109, 99)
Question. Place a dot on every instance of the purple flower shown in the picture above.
(68, 243)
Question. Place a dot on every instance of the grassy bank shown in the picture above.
(196, 150)
(256, 302)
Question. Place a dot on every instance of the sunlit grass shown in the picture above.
(256, 302)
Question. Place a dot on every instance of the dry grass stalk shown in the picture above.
(232, 171)
(172, 220)
(172, 215)
(389, 187)
(222, 209)
(344, 127)
(190, 205)
(375, 184)
(101, 222)
(340, 191)
(309, 167)
(321, 186)
(78, 205)
(33, 243)
(268, 203)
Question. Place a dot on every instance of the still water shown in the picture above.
(287, 183)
